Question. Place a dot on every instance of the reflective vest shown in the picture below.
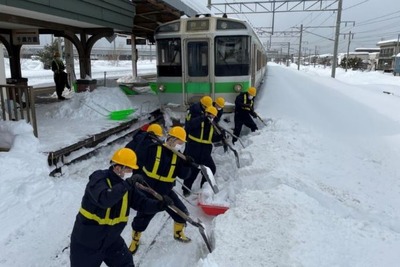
(245, 102)
(153, 173)
(201, 138)
(107, 220)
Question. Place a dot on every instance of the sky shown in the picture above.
(319, 186)
(374, 20)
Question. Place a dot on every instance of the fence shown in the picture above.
(17, 102)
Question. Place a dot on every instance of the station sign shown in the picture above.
(25, 36)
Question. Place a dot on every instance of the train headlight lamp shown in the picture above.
(161, 87)
(237, 88)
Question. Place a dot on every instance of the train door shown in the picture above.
(253, 65)
(197, 70)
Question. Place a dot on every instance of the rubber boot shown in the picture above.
(179, 234)
(133, 247)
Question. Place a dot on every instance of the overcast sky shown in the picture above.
(374, 20)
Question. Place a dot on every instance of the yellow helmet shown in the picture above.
(220, 101)
(212, 110)
(125, 157)
(178, 132)
(206, 101)
(156, 129)
(252, 91)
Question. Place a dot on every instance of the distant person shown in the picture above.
(244, 110)
(60, 76)
(109, 196)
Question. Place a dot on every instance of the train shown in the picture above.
(206, 55)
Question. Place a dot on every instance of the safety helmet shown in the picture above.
(220, 101)
(206, 101)
(178, 132)
(252, 91)
(125, 157)
(212, 110)
(156, 129)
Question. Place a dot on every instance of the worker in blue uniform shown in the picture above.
(244, 111)
(219, 104)
(109, 195)
(162, 166)
(198, 109)
(200, 136)
(142, 139)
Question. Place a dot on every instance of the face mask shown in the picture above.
(178, 146)
(127, 175)
(219, 108)
(250, 97)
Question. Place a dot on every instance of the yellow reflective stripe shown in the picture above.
(245, 102)
(201, 140)
(107, 221)
(153, 174)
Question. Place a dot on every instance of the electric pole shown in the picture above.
(337, 33)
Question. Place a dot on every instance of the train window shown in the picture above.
(232, 55)
(169, 57)
(197, 58)
(230, 25)
(170, 27)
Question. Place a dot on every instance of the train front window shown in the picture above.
(169, 61)
(197, 59)
(232, 55)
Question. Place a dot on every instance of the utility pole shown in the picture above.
(348, 48)
(337, 32)
(301, 39)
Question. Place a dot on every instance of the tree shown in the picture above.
(46, 55)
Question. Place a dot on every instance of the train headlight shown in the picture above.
(237, 88)
(161, 87)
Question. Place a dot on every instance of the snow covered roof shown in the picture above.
(386, 42)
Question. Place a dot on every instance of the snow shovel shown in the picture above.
(184, 216)
(118, 114)
(206, 171)
(218, 130)
(113, 115)
(231, 134)
(263, 122)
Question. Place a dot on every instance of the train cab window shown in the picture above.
(169, 57)
(232, 55)
(197, 59)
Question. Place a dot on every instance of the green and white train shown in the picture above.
(208, 55)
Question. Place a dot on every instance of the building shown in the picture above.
(388, 50)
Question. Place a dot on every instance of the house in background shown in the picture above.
(388, 50)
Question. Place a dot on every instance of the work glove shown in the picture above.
(136, 178)
(189, 160)
(253, 114)
(165, 202)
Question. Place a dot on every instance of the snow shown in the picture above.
(319, 186)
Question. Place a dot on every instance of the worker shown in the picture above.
(109, 195)
(244, 110)
(199, 145)
(219, 104)
(198, 108)
(161, 168)
(142, 139)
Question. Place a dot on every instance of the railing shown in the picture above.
(17, 102)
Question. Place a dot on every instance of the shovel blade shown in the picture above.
(210, 178)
